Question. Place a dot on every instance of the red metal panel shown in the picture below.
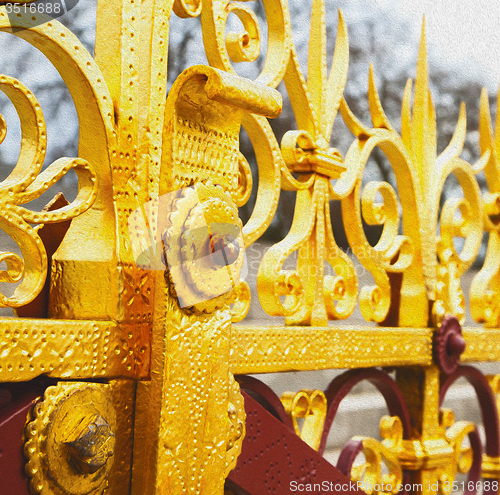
(275, 461)
(13, 417)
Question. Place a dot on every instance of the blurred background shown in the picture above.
(464, 51)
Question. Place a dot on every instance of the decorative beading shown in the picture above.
(70, 440)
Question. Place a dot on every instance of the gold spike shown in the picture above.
(456, 145)
(497, 125)
(337, 78)
(379, 118)
(316, 68)
(353, 123)
(486, 142)
(406, 117)
(482, 162)
(485, 127)
(423, 123)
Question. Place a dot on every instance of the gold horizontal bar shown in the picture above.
(81, 349)
(72, 349)
(274, 349)
(483, 344)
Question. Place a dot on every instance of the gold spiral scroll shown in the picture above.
(244, 46)
(26, 183)
(187, 8)
(72, 293)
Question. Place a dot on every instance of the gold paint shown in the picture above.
(110, 319)
(71, 349)
(438, 458)
(30, 348)
(377, 456)
(311, 406)
(70, 440)
(188, 428)
(237, 430)
(481, 345)
(490, 467)
(122, 394)
(25, 183)
(196, 280)
(274, 349)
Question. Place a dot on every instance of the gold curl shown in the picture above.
(394, 253)
(244, 46)
(245, 181)
(15, 268)
(461, 217)
(187, 8)
(485, 287)
(25, 184)
(240, 301)
(311, 296)
(370, 474)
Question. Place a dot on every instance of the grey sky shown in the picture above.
(458, 31)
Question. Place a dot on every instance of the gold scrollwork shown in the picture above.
(241, 302)
(311, 296)
(26, 183)
(311, 406)
(245, 181)
(245, 45)
(420, 173)
(462, 457)
(460, 218)
(370, 474)
(444, 452)
(187, 8)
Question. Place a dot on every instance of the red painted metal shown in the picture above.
(343, 384)
(266, 397)
(487, 403)
(449, 344)
(274, 460)
(13, 416)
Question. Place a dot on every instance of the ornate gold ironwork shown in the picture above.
(71, 349)
(369, 474)
(71, 440)
(484, 289)
(309, 405)
(443, 455)
(444, 450)
(26, 183)
(112, 318)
